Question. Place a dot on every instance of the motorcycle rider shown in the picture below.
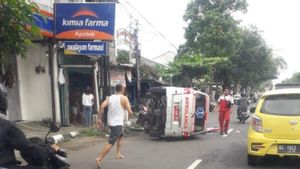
(12, 138)
(243, 105)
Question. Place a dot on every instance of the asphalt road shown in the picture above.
(210, 151)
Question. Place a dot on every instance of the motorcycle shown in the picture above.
(243, 114)
(142, 118)
(56, 157)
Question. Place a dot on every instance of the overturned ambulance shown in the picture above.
(174, 111)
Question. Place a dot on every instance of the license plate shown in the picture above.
(289, 148)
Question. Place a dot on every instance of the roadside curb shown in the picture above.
(30, 128)
(63, 137)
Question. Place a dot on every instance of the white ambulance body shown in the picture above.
(175, 111)
(181, 109)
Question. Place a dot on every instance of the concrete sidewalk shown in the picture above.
(40, 129)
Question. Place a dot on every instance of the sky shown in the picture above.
(165, 15)
(277, 19)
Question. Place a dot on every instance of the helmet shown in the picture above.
(3, 98)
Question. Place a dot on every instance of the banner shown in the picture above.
(85, 48)
(85, 21)
(117, 77)
(44, 23)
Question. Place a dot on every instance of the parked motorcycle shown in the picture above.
(142, 118)
(56, 157)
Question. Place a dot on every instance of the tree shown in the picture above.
(190, 67)
(15, 16)
(267, 85)
(213, 32)
(15, 35)
(123, 56)
(212, 29)
(294, 79)
(254, 62)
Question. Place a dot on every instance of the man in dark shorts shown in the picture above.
(117, 105)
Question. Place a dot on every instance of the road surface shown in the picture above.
(210, 151)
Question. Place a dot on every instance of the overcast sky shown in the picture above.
(277, 19)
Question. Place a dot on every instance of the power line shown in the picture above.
(153, 27)
(148, 30)
(145, 29)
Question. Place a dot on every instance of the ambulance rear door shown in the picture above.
(187, 114)
(176, 108)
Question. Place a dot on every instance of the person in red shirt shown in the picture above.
(225, 102)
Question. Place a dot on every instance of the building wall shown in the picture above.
(35, 89)
(13, 99)
(151, 63)
(45, 4)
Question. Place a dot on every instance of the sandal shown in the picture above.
(120, 156)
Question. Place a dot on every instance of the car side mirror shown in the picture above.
(252, 109)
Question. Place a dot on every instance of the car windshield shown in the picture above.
(287, 105)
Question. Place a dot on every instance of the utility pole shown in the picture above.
(138, 62)
(131, 39)
(130, 44)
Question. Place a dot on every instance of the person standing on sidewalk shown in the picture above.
(117, 105)
(87, 103)
(225, 102)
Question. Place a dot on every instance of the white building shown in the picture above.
(37, 94)
(30, 98)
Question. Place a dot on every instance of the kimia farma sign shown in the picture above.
(84, 21)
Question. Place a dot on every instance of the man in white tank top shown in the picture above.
(117, 104)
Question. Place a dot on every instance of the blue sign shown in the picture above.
(44, 23)
(85, 48)
(85, 21)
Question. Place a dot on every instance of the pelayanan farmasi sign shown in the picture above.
(85, 48)
(85, 21)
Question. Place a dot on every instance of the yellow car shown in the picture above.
(275, 126)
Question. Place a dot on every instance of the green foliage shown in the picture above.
(15, 15)
(266, 85)
(122, 56)
(212, 30)
(91, 132)
(294, 79)
(254, 62)
(213, 37)
(190, 67)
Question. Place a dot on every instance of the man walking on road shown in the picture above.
(117, 104)
(224, 104)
